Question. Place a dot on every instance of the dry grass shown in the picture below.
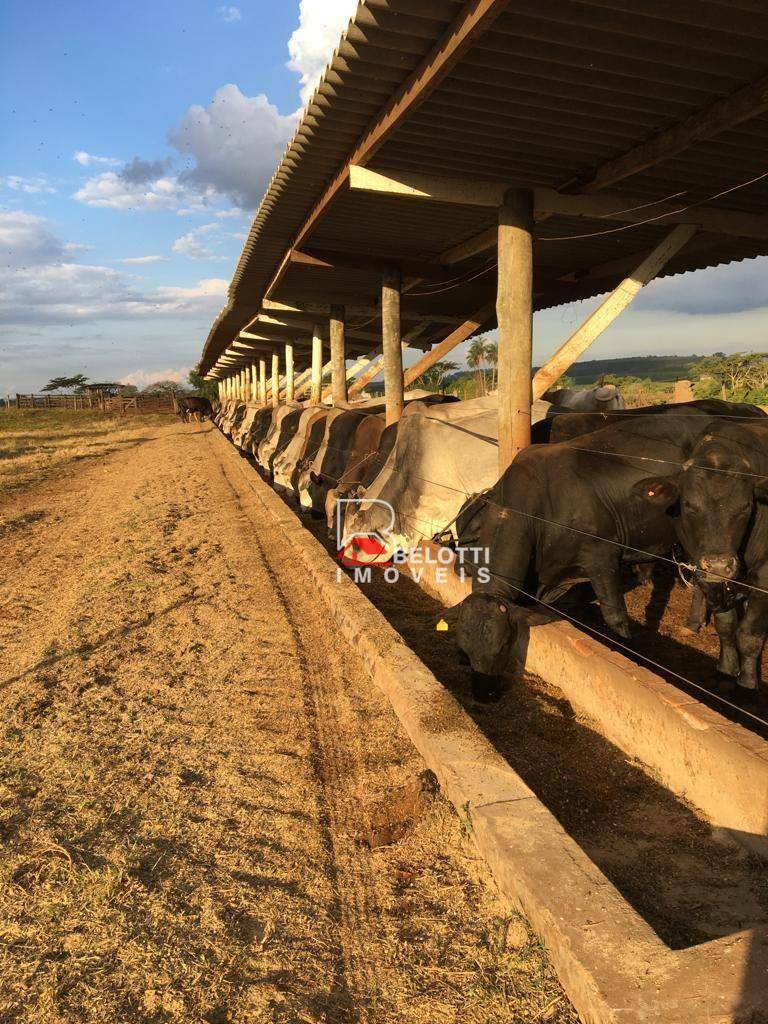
(36, 444)
(194, 774)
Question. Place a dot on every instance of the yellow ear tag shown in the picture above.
(442, 626)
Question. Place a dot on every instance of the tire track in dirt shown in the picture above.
(336, 756)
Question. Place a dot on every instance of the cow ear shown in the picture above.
(531, 616)
(661, 491)
(449, 616)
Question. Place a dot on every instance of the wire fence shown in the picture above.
(433, 530)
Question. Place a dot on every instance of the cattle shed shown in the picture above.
(463, 164)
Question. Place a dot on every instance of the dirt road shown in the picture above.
(207, 812)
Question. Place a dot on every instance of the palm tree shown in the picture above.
(492, 358)
(476, 359)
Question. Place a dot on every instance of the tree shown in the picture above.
(76, 383)
(205, 388)
(735, 375)
(492, 358)
(434, 378)
(164, 387)
(476, 358)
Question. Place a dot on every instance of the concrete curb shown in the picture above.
(610, 962)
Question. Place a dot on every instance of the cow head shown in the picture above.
(715, 499)
(487, 627)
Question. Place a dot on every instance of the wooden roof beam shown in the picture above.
(473, 19)
(723, 114)
(548, 202)
(331, 259)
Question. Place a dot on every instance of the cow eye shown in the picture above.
(503, 608)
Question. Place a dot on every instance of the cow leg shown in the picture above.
(725, 624)
(750, 639)
(606, 583)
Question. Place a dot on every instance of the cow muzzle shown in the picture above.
(716, 568)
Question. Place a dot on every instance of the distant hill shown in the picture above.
(654, 368)
(660, 368)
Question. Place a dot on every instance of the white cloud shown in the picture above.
(29, 186)
(43, 284)
(68, 293)
(236, 142)
(112, 190)
(26, 240)
(321, 23)
(234, 212)
(194, 246)
(144, 259)
(142, 378)
(89, 160)
(230, 14)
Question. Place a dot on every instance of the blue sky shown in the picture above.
(138, 138)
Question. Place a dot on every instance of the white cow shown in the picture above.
(442, 455)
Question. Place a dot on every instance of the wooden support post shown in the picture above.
(317, 366)
(275, 378)
(466, 330)
(338, 356)
(262, 382)
(610, 308)
(289, 385)
(247, 375)
(355, 368)
(254, 382)
(514, 310)
(391, 344)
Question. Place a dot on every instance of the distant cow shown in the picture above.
(194, 407)
(604, 398)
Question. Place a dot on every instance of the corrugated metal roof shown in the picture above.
(546, 94)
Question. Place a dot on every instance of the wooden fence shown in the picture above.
(119, 404)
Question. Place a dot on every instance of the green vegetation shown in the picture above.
(741, 377)
(205, 388)
(75, 383)
(436, 377)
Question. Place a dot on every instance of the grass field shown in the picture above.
(36, 444)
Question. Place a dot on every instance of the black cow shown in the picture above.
(722, 523)
(567, 513)
(192, 407)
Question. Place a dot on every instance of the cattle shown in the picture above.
(568, 424)
(541, 537)
(722, 524)
(232, 415)
(603, 398)
(307, 438)
(285, 431)
(260, 424)
(330, 462)
(440, 456)
(194, 407)
(365, 447)
(265, 449)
